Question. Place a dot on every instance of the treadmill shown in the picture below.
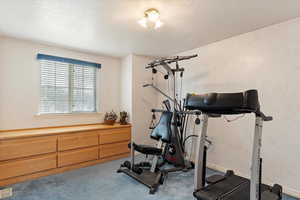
(230, 186)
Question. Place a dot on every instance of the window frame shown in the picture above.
(96, 95)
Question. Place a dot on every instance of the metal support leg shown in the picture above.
(132, 155)
(199, 164)
(255, 168)
(155, 159)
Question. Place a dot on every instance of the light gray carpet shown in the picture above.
(101, 182)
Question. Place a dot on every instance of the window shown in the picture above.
(67, 85)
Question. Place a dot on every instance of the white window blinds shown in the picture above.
(83, 88)
(67, 87)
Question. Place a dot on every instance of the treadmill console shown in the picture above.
(224, 103)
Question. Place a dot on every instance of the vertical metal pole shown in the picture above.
(199, 164)
(174, 91)
(255, 168)
(155, 159)
(179, 156)
(132, 154)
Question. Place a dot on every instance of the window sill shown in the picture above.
(67, 114)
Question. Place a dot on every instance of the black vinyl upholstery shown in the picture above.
(231, 188)
(162, 131)
(163, 128)
(146, 149)
(224, 103)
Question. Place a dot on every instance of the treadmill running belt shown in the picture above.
(232, 188)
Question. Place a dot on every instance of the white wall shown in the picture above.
(135, 99)
(126, 85)
(19, 85)
(144, 99)
(268, 60)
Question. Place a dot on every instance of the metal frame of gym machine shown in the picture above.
(255, 180)
(153, 178)
(177, 108)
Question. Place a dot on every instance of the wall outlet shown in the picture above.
(5, 193)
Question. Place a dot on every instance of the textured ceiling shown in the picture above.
(110, 26)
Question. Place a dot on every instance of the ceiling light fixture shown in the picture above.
(151, 19)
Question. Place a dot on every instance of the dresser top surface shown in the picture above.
(24, 133)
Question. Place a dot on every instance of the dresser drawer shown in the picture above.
(107, 150)
(25, 166)
(18, 148)
(77, 140)
(114, 135)
(77, 156)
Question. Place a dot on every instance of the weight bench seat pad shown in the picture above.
(224, 103)
(146, 149)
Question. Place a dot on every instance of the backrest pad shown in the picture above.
(163, 129)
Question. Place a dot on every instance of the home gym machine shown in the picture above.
(169, 132)
(175, 150)
(231, 186)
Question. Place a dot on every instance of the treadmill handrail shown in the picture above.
(264, 117)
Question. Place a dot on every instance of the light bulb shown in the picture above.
(158, 24)
(153, 16)
(151, 19)
(143, 22)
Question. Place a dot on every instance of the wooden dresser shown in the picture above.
(32, 153)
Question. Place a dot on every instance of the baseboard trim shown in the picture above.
(289, 191)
